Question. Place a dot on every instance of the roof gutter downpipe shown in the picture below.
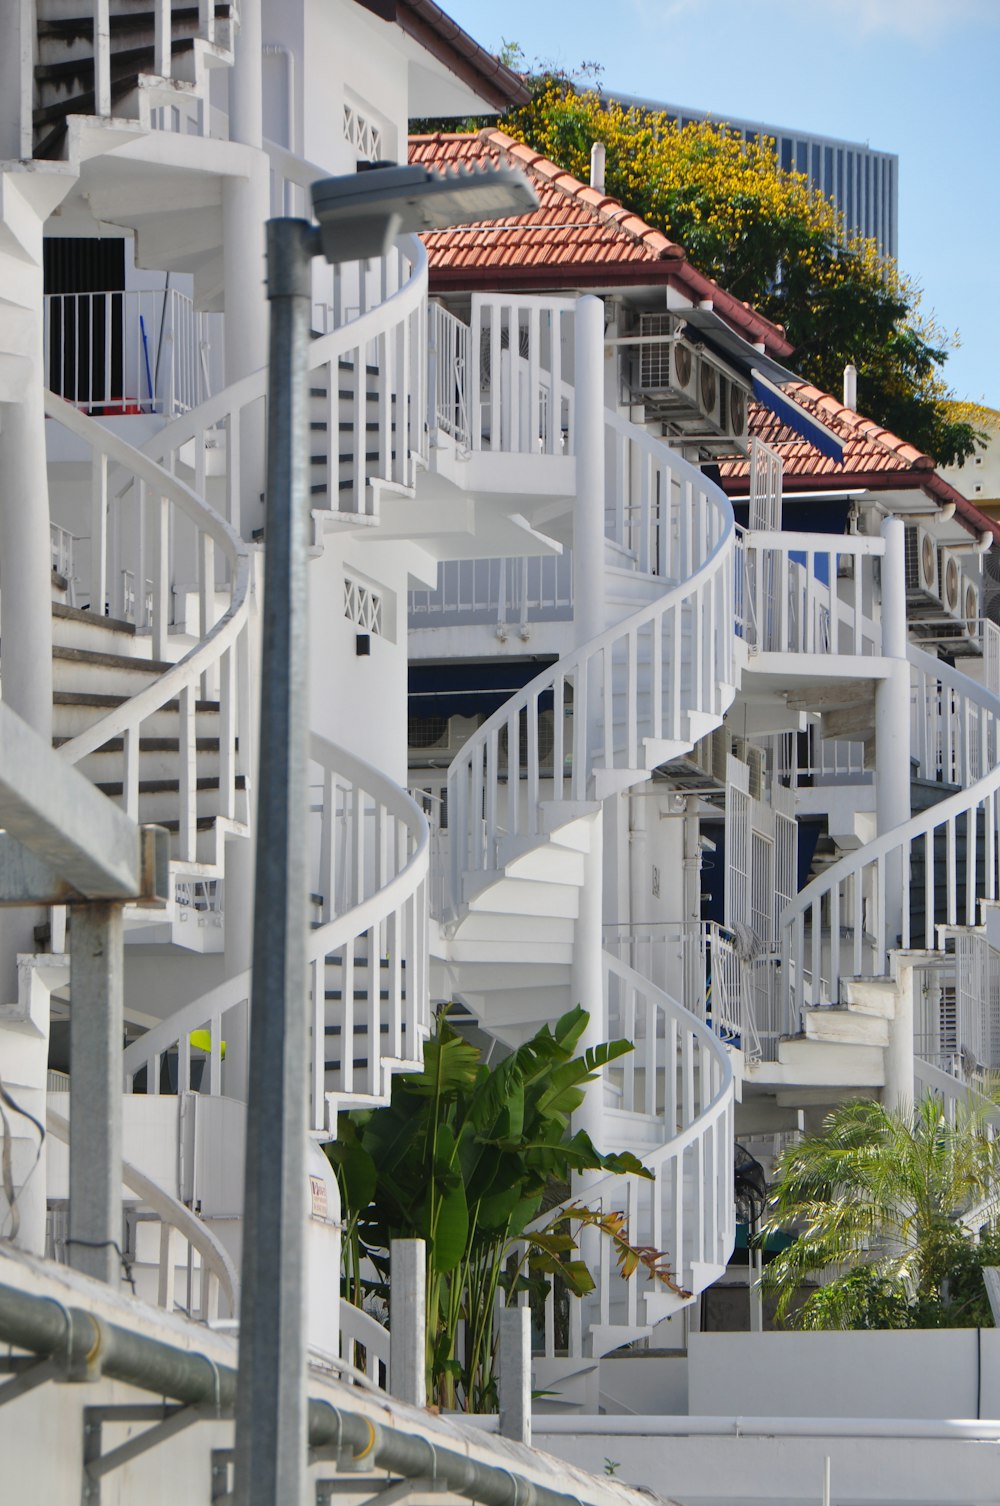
(86, 1347)
(979, 545)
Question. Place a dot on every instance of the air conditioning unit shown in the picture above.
(668, 365)
(951, 584)
(921, 568)
(961, 599)
(713, 391)
(736, 414)
(434, 740)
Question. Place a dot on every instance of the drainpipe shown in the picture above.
(981, 545)
(86, 1347)
(279, 50)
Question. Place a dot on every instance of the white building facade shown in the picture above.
(503, 481)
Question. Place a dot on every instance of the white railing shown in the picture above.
(501, 592)
(672, 955)
(170, 534)
(517, 395)
(369, 370)
(166, 1049)
(368, 999)
(809, 594)
(623, 699)
(766, 473)
(955, 732)
(369, 1005)
(448, 378)
(679, 1077)
(115, 353)
(218, 1286)
(744, 1009)
(931, 871)
(364, 1345)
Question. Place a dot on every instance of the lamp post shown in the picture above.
(358, 216)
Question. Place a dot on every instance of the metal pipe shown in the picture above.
(270, 1413)
(91, 1347)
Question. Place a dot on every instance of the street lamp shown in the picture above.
(358, 216)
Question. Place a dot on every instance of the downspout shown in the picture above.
(279, 50)
(980, 546)
(85, 1347)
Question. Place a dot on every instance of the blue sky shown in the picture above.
(915, 77)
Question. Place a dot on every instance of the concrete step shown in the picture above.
(848, 1026)
(872, 996)
(72, 627)
(80, 669)
(74, 712)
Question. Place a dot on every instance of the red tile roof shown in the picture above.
(576, 238)
(873, 457)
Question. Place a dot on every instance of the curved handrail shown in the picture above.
(146, 1050)
(885, 861)
(401, 807)
(188, 670)
(702, 1234)
(326, 348)
(215, 1258)
(474, 772)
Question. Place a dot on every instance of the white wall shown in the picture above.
(921, 1373)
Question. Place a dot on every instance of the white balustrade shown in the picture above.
(505, 592)
(519, 348)
(933, 870)
(367, 960)
(448, 342)
(680, 1079)
(166, 1050)
(141, 351)
(185, 1242)
(811, 593)
(369, 370)
(170, 534)
(626, 696)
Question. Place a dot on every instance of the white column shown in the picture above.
(898, 1091)
(588, 517)
(246, 206)
(25, 571)
(892, 798)
(892, 717)
(407, 1321)
(587, 972)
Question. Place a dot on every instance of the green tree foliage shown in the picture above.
(901, 1206)
(468, 1158)
(771, 241)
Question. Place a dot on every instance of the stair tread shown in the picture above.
(83, 614)
(83, 26)
(165, 786)
(121, 62)
(96, 698)
(105, 660)
(150, 744)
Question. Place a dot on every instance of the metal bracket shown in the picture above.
(166, 1422)
(391, 1492)
(28, 1373)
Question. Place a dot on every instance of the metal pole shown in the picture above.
(271, 1394)
(95, 1090)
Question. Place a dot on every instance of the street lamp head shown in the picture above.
(361, 214)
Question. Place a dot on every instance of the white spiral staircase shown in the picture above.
(154, 702)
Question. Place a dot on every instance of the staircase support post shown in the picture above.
(892, 721)
(96, 1026)
(587, 979)
(588, 425)
(899, 1084)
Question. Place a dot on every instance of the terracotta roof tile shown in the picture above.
(873, 456)
(576, 237)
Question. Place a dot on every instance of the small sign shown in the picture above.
(317, 1189)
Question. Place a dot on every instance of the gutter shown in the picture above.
(445, 40)
(85, 1347)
